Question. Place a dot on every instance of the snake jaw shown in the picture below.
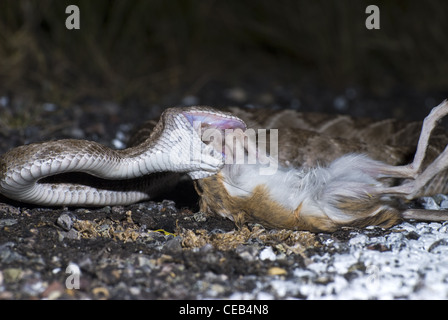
(208, 119)
(185, 138)
(210, 126)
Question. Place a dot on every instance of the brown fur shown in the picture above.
(259, 207)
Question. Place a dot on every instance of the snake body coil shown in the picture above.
(102, 176)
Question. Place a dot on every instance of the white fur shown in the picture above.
(319, 189)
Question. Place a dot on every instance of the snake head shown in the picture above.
(196, 136)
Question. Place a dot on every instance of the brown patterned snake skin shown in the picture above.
(330, 171)
(84, 173)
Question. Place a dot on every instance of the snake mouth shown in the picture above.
(208, 120)
(215, 129)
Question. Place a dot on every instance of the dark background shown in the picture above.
(154, 54)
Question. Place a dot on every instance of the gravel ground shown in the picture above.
(166, 249)
(154, 251)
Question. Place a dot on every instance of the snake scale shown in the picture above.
(84, 173)
(333, 170)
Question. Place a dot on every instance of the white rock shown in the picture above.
(267, 254)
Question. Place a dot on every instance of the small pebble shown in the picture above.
(174, 244)
(12, 274)
(444, 204)
(276, 271)
(65, 221)
(267, 254)
(7, 222)
(429, 203)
